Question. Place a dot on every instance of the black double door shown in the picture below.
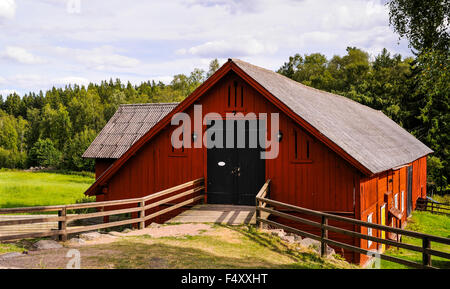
(235, 171)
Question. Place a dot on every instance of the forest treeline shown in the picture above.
(53, 128)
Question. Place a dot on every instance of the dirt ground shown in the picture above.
(175, 246)
(58, 258)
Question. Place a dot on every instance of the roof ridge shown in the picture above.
(149, 103)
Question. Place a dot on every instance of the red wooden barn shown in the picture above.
(335, 155)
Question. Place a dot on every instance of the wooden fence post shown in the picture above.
(323, 235)
(258, 215)
(142, 215)
(62, 224)
(426, 258)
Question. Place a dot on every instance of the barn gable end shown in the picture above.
(322, 165)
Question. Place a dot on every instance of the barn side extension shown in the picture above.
(335, 156)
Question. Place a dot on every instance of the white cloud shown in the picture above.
(30, 81)
(7, 9)
(6, 92)
(71, 80)
(137, 41)
(232, 6)
(20, 55)
(100, 58)
(224, 48)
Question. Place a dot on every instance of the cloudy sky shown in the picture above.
(45, 43)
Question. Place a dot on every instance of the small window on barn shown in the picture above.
(235, 93)
(369, 230)
(235, 96)
(396, 201)
(177, 152)
(300, 146)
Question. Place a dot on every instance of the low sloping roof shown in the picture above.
(369, 136)
(126, 126)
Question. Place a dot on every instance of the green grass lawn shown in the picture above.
(427, 223)
(442, 199)
(25, 189)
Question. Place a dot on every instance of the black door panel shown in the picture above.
(409, 191)
(235, 175)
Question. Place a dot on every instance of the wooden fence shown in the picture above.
(425, 249)
(137, 206)
(433, 207)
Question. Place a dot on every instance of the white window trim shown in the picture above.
(396, 201)
(369, 230)
(403, 201)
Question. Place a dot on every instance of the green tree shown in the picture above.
(55, 125)
(84, 111)
(8, 132)
(424, 23)
(43, 153)
(213, 67)
(75, 148)
(12, 104)
(311, 70)
(433, 126)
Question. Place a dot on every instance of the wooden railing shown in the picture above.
(263, 193)
(324, 227)
(138, 206)
(433, 207)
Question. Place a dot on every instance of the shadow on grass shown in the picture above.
(274, 244)
(157, 256)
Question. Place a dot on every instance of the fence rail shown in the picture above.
(433, 207)
(138, 205)
(324, 227)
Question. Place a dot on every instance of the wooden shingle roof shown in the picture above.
(368, 135)
(126, 126)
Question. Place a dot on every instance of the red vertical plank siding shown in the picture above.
(101, 165)
(325, 182)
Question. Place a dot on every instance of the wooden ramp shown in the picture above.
(222, 214)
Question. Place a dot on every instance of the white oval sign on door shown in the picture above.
(221, 164)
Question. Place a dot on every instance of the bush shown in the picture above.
(43, 153)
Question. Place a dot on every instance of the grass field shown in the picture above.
(25, 189)
(427, 223)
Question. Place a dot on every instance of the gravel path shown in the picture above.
(172, 230)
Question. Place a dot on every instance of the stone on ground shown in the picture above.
(154, 225)
(308, 242)
(47, 244)
(316, 245)
(288, 238)
(10, 255)
(278, 232)
(76, 241)
(115, 234)
(90, 236)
